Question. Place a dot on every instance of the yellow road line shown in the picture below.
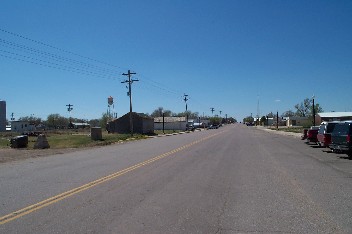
(29, 209)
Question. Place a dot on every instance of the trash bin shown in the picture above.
(96, 134)
(19, 142)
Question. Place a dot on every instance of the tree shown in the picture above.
(271, 115)
(288, 113)
(31, 119)
(94, 122)
(56, 121)
(105, 118)
(159, 112)
(215, 120)
(305, 108)
(248, 119)
(263, 120)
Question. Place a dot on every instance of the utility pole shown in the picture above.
(212, 110)
(130, 81)
(185, 98)
(277, 120)
(69, 109)
(313, 111)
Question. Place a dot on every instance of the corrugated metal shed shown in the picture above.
(169, 119)
(335, 114)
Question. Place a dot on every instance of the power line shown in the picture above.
(54, 65)
(24, 48)
(54, 47)
(67, 64)
(60, 58)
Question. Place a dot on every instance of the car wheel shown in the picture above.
(349, 155)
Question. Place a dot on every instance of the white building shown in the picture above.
(333, 116)
(22, 126)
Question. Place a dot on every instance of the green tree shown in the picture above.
(159, 112)
(31, 119)
(56, 121)
(305, 108)
(94, 122)
(248, 119)
(271, 115)
(215, 120)
(288, 113)
(263, 120)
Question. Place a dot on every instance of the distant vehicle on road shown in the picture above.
(341, 141)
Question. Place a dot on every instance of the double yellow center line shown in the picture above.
(59, 197)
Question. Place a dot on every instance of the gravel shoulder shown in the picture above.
(283, 133)
(8, 154)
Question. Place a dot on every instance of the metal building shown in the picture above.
(2, 116)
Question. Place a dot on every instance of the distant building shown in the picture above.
(22, 127)
(2, 116)
(170, 123)
(332, 116)
(142, 124)
(297, 121)
(80, 125)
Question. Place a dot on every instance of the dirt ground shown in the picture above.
(8, 154)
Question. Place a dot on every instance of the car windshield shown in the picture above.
(330, 127)
(341, 129)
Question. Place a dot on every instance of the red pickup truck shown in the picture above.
(312, 134)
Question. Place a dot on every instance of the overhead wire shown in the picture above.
(53, 56)
(56, 48)
(66, 64)
(51, 65)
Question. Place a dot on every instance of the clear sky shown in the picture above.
(225, 54)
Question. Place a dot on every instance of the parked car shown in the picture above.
(324, 133)
(341, 141)
(312, 134)
(304, 134)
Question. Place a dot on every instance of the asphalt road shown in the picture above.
(235, 179)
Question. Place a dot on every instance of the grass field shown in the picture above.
(60, 140)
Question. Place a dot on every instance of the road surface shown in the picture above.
(235, 179)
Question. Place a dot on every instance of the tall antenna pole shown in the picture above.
(130, 81)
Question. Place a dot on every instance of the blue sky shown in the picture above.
(224, 54)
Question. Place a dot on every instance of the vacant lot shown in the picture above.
(60, 142)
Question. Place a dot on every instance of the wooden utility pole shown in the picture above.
(130, 81)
